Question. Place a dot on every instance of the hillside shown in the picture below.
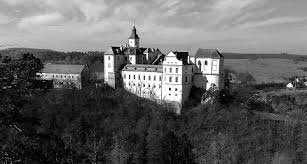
(228, 55)
(269, 69)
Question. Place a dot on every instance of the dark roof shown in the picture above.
(134, 35)
(182, 56)
(63, 68)
(114, 51)
(133, 51)
(208, 53)
(159, 59)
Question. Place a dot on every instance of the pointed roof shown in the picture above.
(208, 53)
(134, 35)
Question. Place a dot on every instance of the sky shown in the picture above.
(246, 26)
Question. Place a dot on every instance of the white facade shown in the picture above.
(171, 80)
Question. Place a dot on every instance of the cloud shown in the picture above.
(67, 24)
(49, 19)
(271, 22)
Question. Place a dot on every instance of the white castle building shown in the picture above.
(149, 73)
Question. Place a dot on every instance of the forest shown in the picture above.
(103, 125)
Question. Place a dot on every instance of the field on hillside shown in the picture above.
(268, 70)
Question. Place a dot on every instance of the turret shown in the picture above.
(134, 40)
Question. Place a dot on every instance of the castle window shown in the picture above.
(109, 57)
(148, 77)
(124, 76)
(176, 79)
(214, 65)
(170, 79)
(139, 77)
(129, 76)
(176, 89)
(170, 70)
(206, 62)
(134, 77)
(160, 78)
(143, 85)
(192, 70)
(192, 79)
(56, 76)
(199, 64)
(61, 76)
(155, 78)
(186, 79)
(148, 85)
(170, 89)
(53, 76)
(144, 77)
(72, 77)
(176, 70)
(165, 70)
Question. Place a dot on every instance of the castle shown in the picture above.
(149, 73)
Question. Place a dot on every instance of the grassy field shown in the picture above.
(267, 70)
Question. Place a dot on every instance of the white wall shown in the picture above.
(134, 42)
(175, 87)
(74, 78)
(108, 65)
(151, 87)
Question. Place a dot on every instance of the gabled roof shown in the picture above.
(133, 51)
(134, 35)
(208, 53)
(63, 68)
(114, 51)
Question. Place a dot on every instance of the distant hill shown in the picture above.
(228, 55)
(17, 52)
(93, 58)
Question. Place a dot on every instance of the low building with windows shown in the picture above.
(65, 75)
(149, 73)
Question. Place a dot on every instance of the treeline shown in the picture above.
(102, 125)
(55, 56)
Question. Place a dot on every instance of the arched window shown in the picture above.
(199, 64)
(206, 62)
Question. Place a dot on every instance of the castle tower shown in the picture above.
(134, 40)
(113, 61)
(209, 69)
